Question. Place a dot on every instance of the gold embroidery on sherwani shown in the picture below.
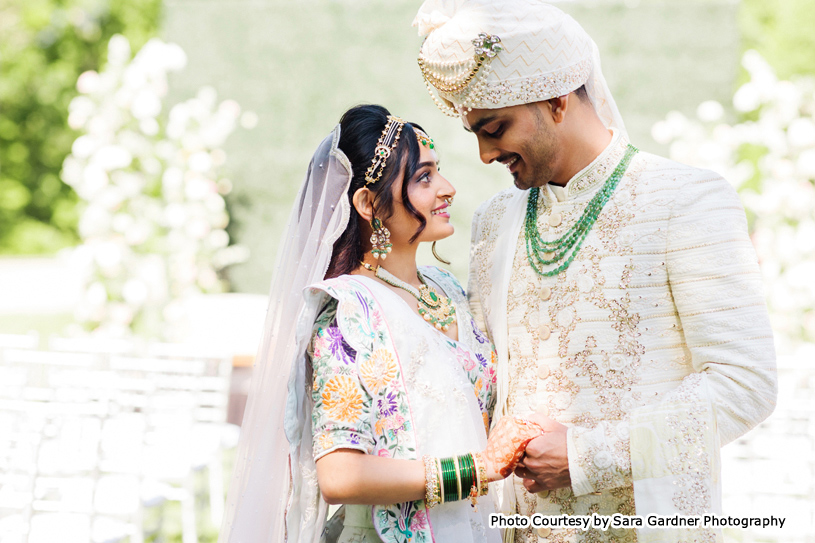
(485, 247)
(608, 374)
(659, 301)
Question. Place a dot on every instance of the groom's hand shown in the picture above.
(545, 466)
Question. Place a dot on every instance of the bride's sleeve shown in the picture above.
(342, 406)
(671, 446)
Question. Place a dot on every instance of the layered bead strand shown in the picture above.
(562, 251)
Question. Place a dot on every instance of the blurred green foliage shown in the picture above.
(44, 46)
(781, 30)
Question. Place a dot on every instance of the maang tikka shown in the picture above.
(380, 239)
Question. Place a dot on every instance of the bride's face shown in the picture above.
(429, 193)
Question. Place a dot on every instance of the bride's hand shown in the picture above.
(506, 445)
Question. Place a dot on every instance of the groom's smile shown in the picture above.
(519, 138)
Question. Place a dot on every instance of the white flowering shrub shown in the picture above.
(769, 156)
(154, 218)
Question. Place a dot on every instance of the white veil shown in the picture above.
(259, 492)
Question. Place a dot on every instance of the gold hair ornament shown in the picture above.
(387, 143)
(424, 139)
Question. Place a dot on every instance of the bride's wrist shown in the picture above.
(455, 478)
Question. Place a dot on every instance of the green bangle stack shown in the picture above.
(454, 478)
(467, 473)
(457, 476)
(449, 480)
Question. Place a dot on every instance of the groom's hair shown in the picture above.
(360, 128)
(582, 93)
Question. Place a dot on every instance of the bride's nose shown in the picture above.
(446, 190)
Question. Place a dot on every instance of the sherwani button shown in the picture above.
(566, 316)
(543, 532)
(543, 372)
(555, 219)
(543, 494)
(545, 331)
(545, 293)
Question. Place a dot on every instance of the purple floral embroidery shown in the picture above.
(364, 304)
(481, 359)
(387, 404)
(479, 335)
(339, 347)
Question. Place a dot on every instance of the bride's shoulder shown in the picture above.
(340, 287)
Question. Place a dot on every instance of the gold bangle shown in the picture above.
(476, 482)
(481, 466)
(431, 482)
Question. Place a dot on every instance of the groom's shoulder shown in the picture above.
(664, 169)
(662, 176)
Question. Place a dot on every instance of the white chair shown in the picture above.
(52, 488)
(88, 440)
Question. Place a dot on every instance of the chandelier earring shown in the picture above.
(380, 239)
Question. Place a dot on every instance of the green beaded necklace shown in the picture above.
(567, 246)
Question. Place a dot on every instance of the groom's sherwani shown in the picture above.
(653, 347)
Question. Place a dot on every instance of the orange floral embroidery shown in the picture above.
(394, 422)
(378, 370)
(325, 441)
(342, 399)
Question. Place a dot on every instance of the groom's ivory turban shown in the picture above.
(489, 54)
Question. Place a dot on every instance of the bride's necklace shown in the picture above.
(436, 309)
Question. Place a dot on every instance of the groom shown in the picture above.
(620, 288)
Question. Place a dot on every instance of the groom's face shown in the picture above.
(523, 138)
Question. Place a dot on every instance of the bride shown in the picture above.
(390, 382)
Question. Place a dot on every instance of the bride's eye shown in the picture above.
(424, 178)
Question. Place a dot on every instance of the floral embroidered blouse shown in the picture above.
(384, 382)
(346, 415)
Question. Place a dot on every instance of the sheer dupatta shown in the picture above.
(260, 491)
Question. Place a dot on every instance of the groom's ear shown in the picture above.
(363, 201)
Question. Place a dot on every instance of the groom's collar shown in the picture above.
(595, 173)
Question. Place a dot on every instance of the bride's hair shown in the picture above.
(360, 128)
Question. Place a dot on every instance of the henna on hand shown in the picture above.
(506, 445)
